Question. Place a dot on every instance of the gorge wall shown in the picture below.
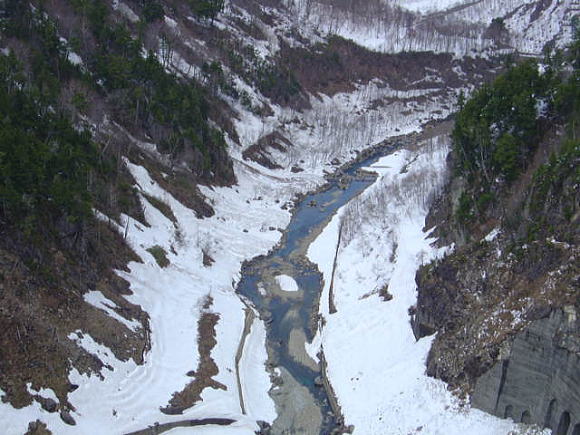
(505, 303)
(538, 381)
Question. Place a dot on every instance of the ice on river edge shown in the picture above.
(374, 363)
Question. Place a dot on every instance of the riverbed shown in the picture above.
(304, 402)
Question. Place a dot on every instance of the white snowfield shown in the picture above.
(375, 365)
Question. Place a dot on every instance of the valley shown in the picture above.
(236, 213)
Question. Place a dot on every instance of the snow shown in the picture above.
(427, 6)
(74, 58)
(449, 26)
(492, 235)
(214, 430)
(382, 384)
(130, 395)
(554, 23)
(98, 300)
(254, 379)
(385, 28)
(124, 9)
(339, 126)
(170, 22)
(384, 248)
(287, 283)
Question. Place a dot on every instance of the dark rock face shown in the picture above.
(67, 418)
(505, 302)
(47, 404)
(539, 382)
(508, 332)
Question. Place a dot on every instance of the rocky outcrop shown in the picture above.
(538, 380)
(505, 302)
(508, 333)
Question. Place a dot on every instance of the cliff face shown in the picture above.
(507, 328)
(482, 297)
(505, 303)
(538, 380)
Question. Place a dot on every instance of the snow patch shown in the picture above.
(287, 283)
(492, 235)
(98, 300)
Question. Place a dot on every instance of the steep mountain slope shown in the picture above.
(505, 302)
(166, 140)
(458, 27)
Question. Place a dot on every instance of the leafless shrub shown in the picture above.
(398, 196)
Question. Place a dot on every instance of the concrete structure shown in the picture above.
(539, 381)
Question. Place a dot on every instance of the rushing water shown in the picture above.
(294, 313)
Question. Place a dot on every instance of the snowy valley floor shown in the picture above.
(374, 363)
(248, 221)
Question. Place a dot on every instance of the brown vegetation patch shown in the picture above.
(206, 368)
(337, 65)
(164, 427)
(181, 184)
(41, 304)
(207, 259)
(159, 254)
(259, 151)
(162, 206)
(37, 428)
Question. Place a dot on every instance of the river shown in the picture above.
(304, 402)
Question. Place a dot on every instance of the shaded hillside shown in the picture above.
(512, 209)
(67, 127)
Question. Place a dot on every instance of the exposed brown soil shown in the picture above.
(206, 368)
(248, 321)
(41, 304)
(259, 153)
(160, 428)
(331, 305)
(37, 428)
(181, 184)
(336, 67)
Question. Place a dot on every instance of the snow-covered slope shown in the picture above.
(455, 26)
